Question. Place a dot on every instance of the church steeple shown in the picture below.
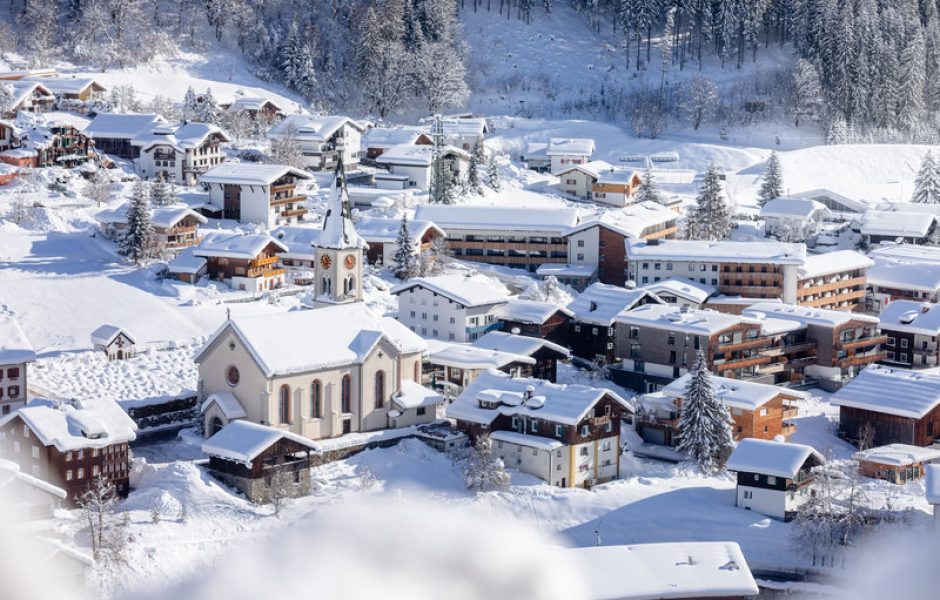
(338, 228)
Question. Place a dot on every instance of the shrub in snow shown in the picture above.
(484, 467)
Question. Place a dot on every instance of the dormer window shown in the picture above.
(593, 306)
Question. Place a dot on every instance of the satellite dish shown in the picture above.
(515, 331)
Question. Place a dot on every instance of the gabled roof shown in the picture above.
(416, 155)
(765, 251)
(600, 303)
(163, 217)
(736, 393)
(898, 392)
(895, 223)
(10, 472)
(180, 137)
(818, 265)
(300, 240)
(14, 346)
(566, 404)
(414, 395)
(186, 262)
(313, 128)
(793, 208)
(386, 137)
(474, 358)
(682, 287)
(71, 425)
(244, 441)
(899, 455)
(67, 85)
(911, 317)
(630, 221)
(523, 345)
(225, 244)
(280, 343)
(777, 459)
(466, 290)
(593, 168)
(385, 231)
(570, 147)
(121, 126)
(840, 203)
(498, 218)
(106, 334)
(530, 311)
(22, 89)
(253, 103)
(906, 266)
(227, 402)
(237, 173)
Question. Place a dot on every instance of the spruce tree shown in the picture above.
(710, 219)
(404, 266)
(137, 244)
(208, 109)
(807, 91)
(705, 425)
(927, 184)
(647, 191)
(771, 186)
(492, 173)
(477, 160)
(162, 192)
(190, 106)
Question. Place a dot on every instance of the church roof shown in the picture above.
(338, 229)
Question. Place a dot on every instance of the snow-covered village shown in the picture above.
(423, 299)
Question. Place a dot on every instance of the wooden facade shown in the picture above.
(752, 280)
(68, 148)
(890, 429)
(281, 468)
(263, 265)
(555, 329)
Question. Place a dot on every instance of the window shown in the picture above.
(380, 389)
(771, 480)
(580, 243)
(13, 391)
(904, 342)
(13, 372)
(232, 375)
(421, 410)
(559, 431)
(68, 475)
(284, 405)
(585, 430)
(80, 474)
(316, 399)
(891, 341)
(904, 357)
(35, 451)
(584, 450)
(346, 394)
(535, 452)
(748, 495)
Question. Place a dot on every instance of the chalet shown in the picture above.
(9, 135)
(416, 163)
(300, 258)
(912, 330)
(263, 462)
(674, 570)
(759, 410)
(244, 262)
(265, 194)
(364, 376)
(322, 138)
(564, 152)
(833, 280)
(897, 463)
(179, 153)
(462, 132)
(451, 367)
(524, 237)
(594, 312)
(443, 437)
(28, 97)
(681, 291)
(263, 110)
(902, 406)
(70, 444)
(535, 158)
(26, 497)
(381, 235)
(545, 320)
(904, 272)
(599, 181)
(904, 222)
(15, 355)
(452, 307)
(53, 140)
(379, 139)
(175, 227)
(114, 132)
(545, 354)
(793, 219)
(567, 435)
(72, 93)
(187, 267)
(774, 478)
(600, 242)
(114, 341)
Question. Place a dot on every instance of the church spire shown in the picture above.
(338, 229)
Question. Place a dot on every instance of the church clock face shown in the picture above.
(350, 261)
(325, 261)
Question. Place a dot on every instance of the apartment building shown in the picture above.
(834, 280)
(912, 332)
(15, 355)
(256, 193)
(904, 272)
(594, 312)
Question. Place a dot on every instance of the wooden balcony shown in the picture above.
(791, 412)
(743, 345)
(751, 291)
(741, 363)
(294, 212)
(599, 421)
(815, 290)
(662, 233)
(521, 246)
(284, 187)
(288, 200)
(860, 359)
(263, 272)
(852, 297)
(262, 262)
(862, 342)
(750, 278)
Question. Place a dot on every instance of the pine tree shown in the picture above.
(492, 173)
(297, 60)
(190, 106)
(137, 244)
(404, 266)
(911, 81)
(710, 219)
(474, 177)
(705, 424)
(927, 184)
(162, 192)
(208, 111)
(647, 191)
(808, 98)
(771, 186)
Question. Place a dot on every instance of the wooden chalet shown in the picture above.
(774, 478)
(545, 354)
(897, 463)
(244, 262)
(545, 320)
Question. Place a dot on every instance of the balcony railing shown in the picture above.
(262, 262)
(861, 342)
(288, 200)
(861, 359)
(264, 272)
(294, 212)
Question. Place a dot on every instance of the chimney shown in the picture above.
(529, 390)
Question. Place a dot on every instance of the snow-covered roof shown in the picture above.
(906, 266)
(385, 231)
(253, 103)
(592, 168)
(896, 223)
(805, 314)
(461, 127)
(280, 343)
(793, 208)
(469, 357)
(768, 457)
(766, 251)
(22, 89)
(414, 395)
(899, 392)
(668, 316)
(529, 311)
(840, 203)
(911, 317)
(600, 303)
(524, 345)
(243, 441)
(180, 137)
(736, 393)
(529, 441)
(682, 287)
(566, 270)
(559, 403)
(225, 244)
(570, 147)
(71, 425)
(104, 335)
(67, 85)
(386, 137)
(313, 128)
(238, 173)
(299, 239)
(162, 217)
(468, 290)
(899, 455)
(10, 472)
(631, 221)
(14, 346)
(58, 118)
(338, 231)
(498, 218)
(932, 485)
(664, 571)
(818, 265)
(227, 402)
(419, 155)
(536, 150)
(121, 126)
(186, 262)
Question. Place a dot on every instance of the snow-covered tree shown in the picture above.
(647, 190)
(286, 148)
(237, 122)
(431, 261)
(162, 192)
(492, 173)
(705, 424)
(710, 219)
(807, 93)
(927, 183)
(700, 101)
(911, 82)
(137, 243)
(484, 467)
(124, 99)
(838, 132)
(98, 507)
(440, 77)
(404, 266)
(383, 60)
(190, 108)
(547, 290)
(477, 162)
(98, 187)
(208, 110)
(297, 62)
(667, 47)
(771, 186)
(6, 97)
